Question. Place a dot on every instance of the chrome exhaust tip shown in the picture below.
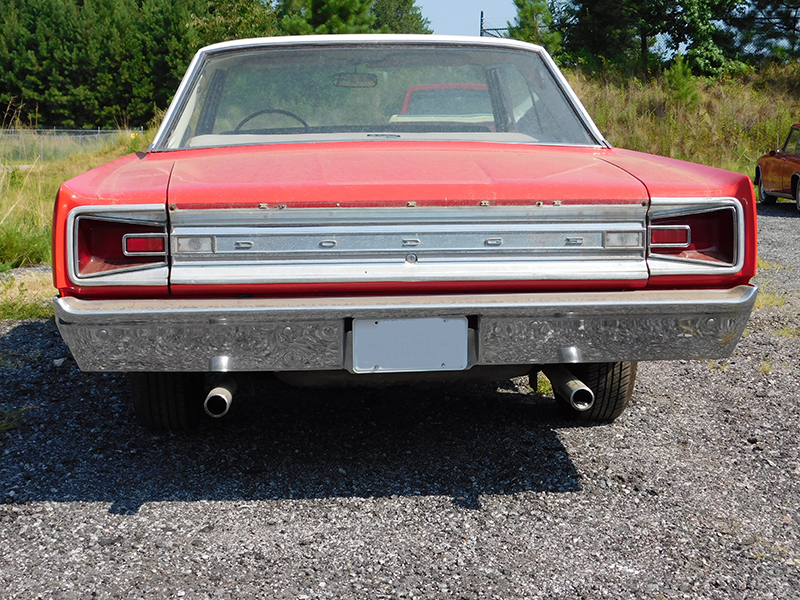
(566, 385)
(218, 401)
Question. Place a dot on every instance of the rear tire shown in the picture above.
(762, 193)
(167, 401)
(612, 384)
(796, 191)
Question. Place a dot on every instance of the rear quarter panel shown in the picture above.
(135, 179)
(670, 178)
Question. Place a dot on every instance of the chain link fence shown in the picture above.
(21, 146)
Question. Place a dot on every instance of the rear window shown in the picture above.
(365, 91)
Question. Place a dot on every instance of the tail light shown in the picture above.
(696, 236)
(111, 245)
(114, 245)
(706, 236)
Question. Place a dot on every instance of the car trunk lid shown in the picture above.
(404, 217)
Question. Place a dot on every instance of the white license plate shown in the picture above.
(405, 345)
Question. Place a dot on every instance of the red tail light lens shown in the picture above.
(144, 244)
(111, 245)
(707, 236)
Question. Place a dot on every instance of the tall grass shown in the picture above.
(27, 194)
(725, 123)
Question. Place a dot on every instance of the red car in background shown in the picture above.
(778, 172)
(447, 98)
(297, 214)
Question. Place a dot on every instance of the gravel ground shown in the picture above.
(444, 492)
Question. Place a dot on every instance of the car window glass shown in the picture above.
(277, 94)
(790, 147)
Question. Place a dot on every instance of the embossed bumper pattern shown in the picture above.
(311, 334)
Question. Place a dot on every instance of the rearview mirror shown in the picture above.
(355, 80)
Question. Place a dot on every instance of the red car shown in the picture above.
(288, 219)
(778, 173)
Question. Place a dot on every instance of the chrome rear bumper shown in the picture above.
(295, 334)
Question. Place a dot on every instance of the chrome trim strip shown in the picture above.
(408, 269)
(277, 334)
(673, 207)
(336, 216)
(581, 111)
(252, 246)
(142, 275)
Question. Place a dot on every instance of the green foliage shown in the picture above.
(10, 418)
(710, 42)
(769, 29)
(26, 200)
(542, 385)
(596, 33)
(17, 303)
(307, 17)
(110, 63)
(235, 19)
(35, 54)
(681, 83)
(93, 63)
(734, 121)
(23, 244)
(620, 35)
(24, 225)
(399, 16)
(534, 23)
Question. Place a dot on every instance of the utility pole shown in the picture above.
(497, 32)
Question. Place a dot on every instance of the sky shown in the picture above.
(463, 17)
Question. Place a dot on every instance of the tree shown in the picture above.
(167, 44)
(769, 28)
(234, 20)
(103, 86)
(534, 24)
(93, 63)
(597, 33)
(399, 16)
(704, 28)
(648, 19)
(37, 59)
(621, 33)
(305, 17)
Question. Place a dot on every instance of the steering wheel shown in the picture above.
(270, 111)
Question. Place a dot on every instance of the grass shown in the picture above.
(27, 194)
(763, 264)
(27, 296)
(11, 418)
(728, 124)
(788, 332)
(24, 217)
(543, 385)
(26, 204)
(768, 299)
(24, 145)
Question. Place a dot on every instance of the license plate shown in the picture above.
(406, 345)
